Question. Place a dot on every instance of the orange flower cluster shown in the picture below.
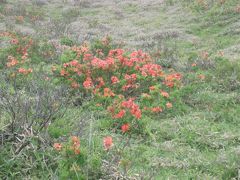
(25, 71)
(170, 79)
(132, 107)
(153, 70)
(88, 84)
(201, 76)
(21, 48)
(75, 145)
(169, 105)
(114, 80)
(57, 146)
(14, 41)
(80, 50)
(164, 94)
(194, 64)
(107, 142)
(125, 127)
(107, 92)
(127, 80)
(12, 61)
(157, 109)
(120, 115)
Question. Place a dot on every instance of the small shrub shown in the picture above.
(75, 162)
(226, 76)
(66, 41)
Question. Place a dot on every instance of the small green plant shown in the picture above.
(58, 129)
(66, 41)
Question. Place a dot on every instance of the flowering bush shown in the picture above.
(27, 100)
(74, 161)
(18, 55)
(127, 84)
(71, 157)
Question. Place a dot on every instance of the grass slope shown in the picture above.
(200, 138)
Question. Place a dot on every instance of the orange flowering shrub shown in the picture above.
(127, 84)
(18, 55)
(72, 160)
(73, 147)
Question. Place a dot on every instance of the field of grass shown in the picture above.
(198, 138)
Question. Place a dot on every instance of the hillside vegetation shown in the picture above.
(113, 89)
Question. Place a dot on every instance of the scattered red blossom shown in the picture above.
(164, 94)
(169, 105)
(87, 84)
(157, 109)
(57, 146)
(125, 127)
(120, 114)
(107, 142)
(114, 80)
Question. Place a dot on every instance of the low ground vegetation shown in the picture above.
(158, 99)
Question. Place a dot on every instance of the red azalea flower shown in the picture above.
(24, 71)
(114, 79)
(107, 142)
(87, 84)
(164, 94)
(101, 82)
(75, 142)
(120, 114)
(14, 41)
(76, 151)
(75, 145)
(137, 113)
(87, 57)
(169, 105)
(153, 70)
(128, 104)
(125, 127)
(73, 63)
(146, 95)
(57, 146)
(152, 88)
(201, 76)
(12, 61)
(75, 139)
(157, 109)
(63, 72)
(116, 52)
(108, 93)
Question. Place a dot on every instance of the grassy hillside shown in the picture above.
(198, 138)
